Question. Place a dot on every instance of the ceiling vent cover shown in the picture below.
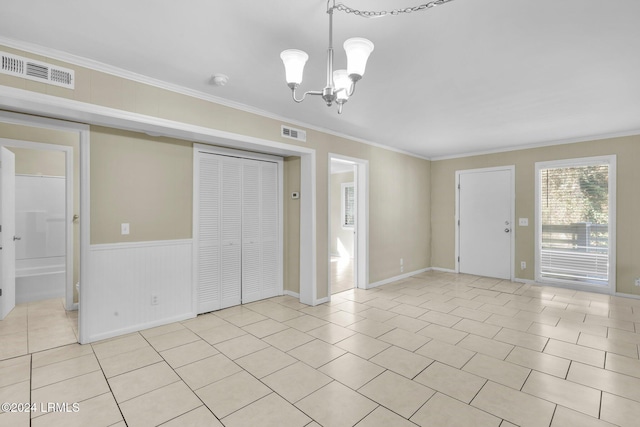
(18, 66)
(292, 133)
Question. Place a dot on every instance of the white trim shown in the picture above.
(83, 143)
(624, 295)
(140, 327)
(576, 140)
(396, 278)
(322, 300)
(611, 160)
(361, 241)
(47, 105)
(292, 294)
(512, 208)
(131, 245)
(443, 270)
(129, 75)
(525, 281)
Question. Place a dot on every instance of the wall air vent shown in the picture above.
(38, 71)
(292, 133)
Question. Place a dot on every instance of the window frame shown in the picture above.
(343, 208)
(609, 160)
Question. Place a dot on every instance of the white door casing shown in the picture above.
(7, 232)
(485, 217)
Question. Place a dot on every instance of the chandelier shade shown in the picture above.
(294, 61)
(358, 51)
(343, 85)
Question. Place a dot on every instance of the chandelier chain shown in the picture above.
(377, 14)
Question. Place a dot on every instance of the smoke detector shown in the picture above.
(219, 79)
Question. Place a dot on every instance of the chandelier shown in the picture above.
(341, 84)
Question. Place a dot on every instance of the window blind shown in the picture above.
(574, 215)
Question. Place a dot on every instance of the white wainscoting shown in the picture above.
(124, 277)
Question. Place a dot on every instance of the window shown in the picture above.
(348, 210)
(575, 222)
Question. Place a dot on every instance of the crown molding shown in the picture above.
(160, 84)
(585, 138)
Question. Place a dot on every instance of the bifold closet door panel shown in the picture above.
(259, 230)
(231, 230)
(251, 259)
(238, 240)
(209, 242)
(269, 230)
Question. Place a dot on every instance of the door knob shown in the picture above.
(507, 230)
(16, 238)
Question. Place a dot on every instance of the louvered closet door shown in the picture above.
(209, 242)
(260, 266)
(269, 229)
(231, 231)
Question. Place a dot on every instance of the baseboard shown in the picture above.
(292, 294)
(139, 327)
(443, 270)
(396, 278)
(623, 295)
(321, 301)
(526, 281)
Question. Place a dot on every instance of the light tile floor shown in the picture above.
(436, 349)
(342, 277)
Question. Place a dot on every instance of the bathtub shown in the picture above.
(40, 278)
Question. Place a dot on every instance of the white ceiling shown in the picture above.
(465, 77)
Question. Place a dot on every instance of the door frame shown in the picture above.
(512, 171)
(84, 202)
(360, 243)
(68, 202)
(611, 160)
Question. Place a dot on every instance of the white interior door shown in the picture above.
(485, 222)
(7, 232)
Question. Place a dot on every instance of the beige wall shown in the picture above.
(37, 161)
(343, 235)
(144, 181)
(291, 219)
(118, 186)
(627, 150)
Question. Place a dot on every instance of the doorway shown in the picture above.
(347, 223)
(485, 211)
(342, 189)
(54, 228)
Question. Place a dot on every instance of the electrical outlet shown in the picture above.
(124, 228)
(401, 261)
(523, 265)
(637, 281)
(154, 299)
(401, 269)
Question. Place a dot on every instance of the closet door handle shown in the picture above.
(16, 238)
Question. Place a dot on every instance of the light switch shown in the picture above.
(523, 222)
(124, 228)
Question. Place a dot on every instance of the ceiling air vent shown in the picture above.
(292, 133)
(18, 66)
